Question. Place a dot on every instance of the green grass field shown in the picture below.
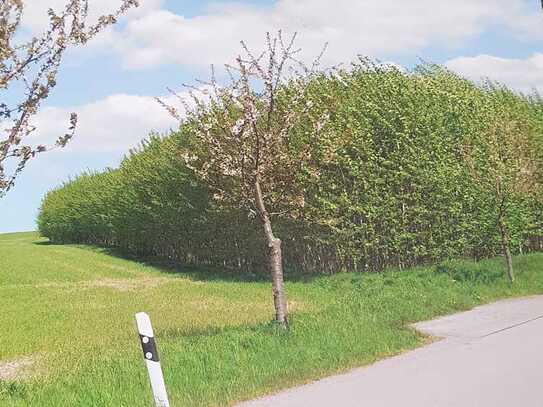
(68, 334)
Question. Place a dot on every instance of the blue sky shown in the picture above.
(112, 82)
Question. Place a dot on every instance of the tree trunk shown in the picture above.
(506, 251)
(275, 261)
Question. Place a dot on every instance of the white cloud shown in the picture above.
(115, 123)
(152, 35)
(36, 21)
(35, 16)
(521, 74)
(369, 27)
(524, 18)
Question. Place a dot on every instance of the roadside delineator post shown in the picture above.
(150, 354)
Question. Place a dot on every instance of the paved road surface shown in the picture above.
(491, 356)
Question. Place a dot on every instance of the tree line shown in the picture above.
(379, 168)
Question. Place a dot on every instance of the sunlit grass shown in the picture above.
(71, 310)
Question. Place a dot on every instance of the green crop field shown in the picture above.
(68, 337)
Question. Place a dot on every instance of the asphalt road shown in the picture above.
(491, 356)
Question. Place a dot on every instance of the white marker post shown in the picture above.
(152, 361)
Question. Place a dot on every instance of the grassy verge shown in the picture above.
(70, 310)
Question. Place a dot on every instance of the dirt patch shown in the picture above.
(121, 284)
(126, 269)
(16, 369)
(126, 284)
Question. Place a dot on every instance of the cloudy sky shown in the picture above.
(112, 82)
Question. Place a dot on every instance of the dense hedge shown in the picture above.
(387, 186)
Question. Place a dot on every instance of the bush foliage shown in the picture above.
(398, 177)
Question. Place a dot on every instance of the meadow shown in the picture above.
(68, 332)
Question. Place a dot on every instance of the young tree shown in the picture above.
(505, 161)
(241, 140)
(28, 72)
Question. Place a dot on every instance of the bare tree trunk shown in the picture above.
(275, 261)
(505, 250)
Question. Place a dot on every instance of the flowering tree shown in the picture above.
(28, 71)
(241, 140)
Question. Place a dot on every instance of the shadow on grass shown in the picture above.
(195, 272)
(265, 327)
(43, 243)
